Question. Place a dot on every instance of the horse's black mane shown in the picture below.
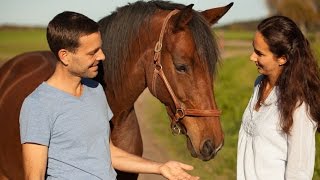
(119, 29)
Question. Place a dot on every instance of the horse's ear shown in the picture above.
(183, 18)
(214, 14)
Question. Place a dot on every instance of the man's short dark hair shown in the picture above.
(65, 29)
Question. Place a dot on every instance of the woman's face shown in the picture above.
(267, 63)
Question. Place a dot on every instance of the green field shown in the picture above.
(233, 87)
(15, 41)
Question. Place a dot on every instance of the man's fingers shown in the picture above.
(174, 170)
(186, 166)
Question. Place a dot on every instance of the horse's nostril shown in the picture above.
(207, 149)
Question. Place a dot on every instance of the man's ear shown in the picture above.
(282, 60)
(64, 56)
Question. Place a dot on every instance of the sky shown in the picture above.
(40, 12)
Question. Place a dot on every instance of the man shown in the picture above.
(64, 121)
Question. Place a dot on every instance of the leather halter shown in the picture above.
(180, 111)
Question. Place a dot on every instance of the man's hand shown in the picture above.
(175, 171)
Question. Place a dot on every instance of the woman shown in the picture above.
(277, 134)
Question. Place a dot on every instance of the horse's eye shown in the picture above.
(181, 68)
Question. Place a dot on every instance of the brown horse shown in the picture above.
(164, 46)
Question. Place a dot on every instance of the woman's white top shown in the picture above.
(265, 152)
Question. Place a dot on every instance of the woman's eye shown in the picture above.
(258, 53)
(181, 68)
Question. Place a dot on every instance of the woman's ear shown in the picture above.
(64, 56)
(282, 60)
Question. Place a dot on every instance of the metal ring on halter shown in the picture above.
(176, 130)
(158, 67)
(180, 112)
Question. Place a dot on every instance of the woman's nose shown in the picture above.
(253, 57)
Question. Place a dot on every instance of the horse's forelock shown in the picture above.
(205, 41)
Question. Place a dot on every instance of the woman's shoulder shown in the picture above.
(302, 113)
(258, 80)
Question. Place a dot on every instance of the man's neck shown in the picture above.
(64, 81)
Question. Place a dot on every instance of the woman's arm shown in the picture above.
(124, 161)
(301, 146)
(34, 161)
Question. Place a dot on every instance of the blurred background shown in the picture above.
(22, 29)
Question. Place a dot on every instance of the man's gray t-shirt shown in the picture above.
(75, 129)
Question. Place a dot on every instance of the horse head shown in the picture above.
(181, 77)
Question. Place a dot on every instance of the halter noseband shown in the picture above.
(180, 111)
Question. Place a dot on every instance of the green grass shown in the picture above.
(16, 41)
(233, 88)
(235, 34)
(316, 49)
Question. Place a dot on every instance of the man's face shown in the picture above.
(84, 61)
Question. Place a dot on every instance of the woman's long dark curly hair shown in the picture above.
(300, 79)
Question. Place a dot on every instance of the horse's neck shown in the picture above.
(138, 69)
(132, 85)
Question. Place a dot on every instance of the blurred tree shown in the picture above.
(272, 5)
(317, 2)
(304, 12)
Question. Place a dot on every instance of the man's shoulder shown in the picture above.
(40, 96)
(35, 94)
(90, 83)
(94, 86)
